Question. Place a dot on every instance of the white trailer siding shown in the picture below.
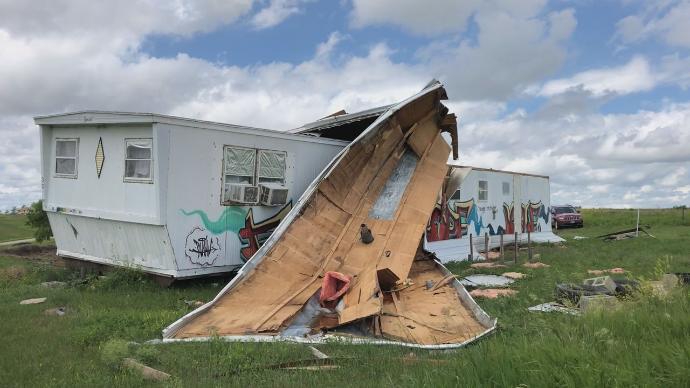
(108, 219)
(194, 193)
(490, 202)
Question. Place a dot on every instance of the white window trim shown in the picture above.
(479, 191)
(76, 158)
(258, 166)
(124, 165)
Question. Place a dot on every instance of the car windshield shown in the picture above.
(565, 209)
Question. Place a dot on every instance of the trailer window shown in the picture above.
(138, 160)
(239, 165)
(506, 188)
(271, 167)
(66, 156)
(483, 190)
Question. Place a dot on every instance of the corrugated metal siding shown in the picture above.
(109, 241)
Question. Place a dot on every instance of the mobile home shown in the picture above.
(493, 202)
(173, 196)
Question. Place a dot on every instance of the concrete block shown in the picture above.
(598, 302)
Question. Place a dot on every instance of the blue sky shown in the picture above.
(593, 93)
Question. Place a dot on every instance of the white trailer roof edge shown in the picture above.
(93, 117)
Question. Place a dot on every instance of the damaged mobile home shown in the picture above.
(354, 240)
(174, 197)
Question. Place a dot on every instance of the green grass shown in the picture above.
(14, 227)
(645, 343)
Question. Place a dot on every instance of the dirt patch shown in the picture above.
(13, 273)
(40, 253)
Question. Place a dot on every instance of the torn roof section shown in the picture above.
(401, 156)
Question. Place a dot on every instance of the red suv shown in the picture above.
(565, 215)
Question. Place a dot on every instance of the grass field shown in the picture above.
(644, 343)
(14, 227)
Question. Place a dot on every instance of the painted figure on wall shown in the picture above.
(531, 213)
(254, 234)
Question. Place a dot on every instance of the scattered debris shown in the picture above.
(625, 234)
(580, 238)
(317, 353)
(554, 307)
(514, 275)
(492, 293)
(535, 265)
(33, 301)
(491, 255)
(194, 303)
(486, 281)
(53, 284)
(600, 272)
(147, 372)
(57, 311)
(571, 293)
(598, 302)
(445, 280)
(487, 265)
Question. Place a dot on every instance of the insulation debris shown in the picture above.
(342, 225)
(492, 293)
(535, 265)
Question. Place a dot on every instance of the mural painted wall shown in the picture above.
(455, 219)
(203, 244)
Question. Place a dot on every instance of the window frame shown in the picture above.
(257, 175)
(76, 158)
(223, 200)
(480, 191)
(503, 188)
(150, 159)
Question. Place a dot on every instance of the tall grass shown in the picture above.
(646, 342)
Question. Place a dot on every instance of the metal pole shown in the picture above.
(529, 245)
(486, 245)
(471, 248)
(501, 246)
(515, 244)
(637, 227)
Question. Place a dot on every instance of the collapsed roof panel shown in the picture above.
(387, 297)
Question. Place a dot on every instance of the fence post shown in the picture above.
(515, 244)
(486, 245)
(471, 248)
(529, 245)
(501, 246)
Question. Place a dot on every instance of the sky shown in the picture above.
(595, 94)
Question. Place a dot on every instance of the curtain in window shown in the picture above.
(239, 161)
(272, 165)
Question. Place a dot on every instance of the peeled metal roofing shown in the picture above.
(483, 324)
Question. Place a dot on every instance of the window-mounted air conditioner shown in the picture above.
(273, 194)
(242, 193)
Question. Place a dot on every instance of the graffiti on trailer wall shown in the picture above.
(253, 234)
(202, 246)
(531, 213)
(455, 219)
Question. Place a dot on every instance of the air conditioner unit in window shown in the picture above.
(242, 193)
(273, 194)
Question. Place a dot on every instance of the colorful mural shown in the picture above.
(230, 220)
(531, 213)
(454, 220)
(253, 234)
(234, 219)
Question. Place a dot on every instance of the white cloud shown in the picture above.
(667, 21)
(635, 76)
(276, 12)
